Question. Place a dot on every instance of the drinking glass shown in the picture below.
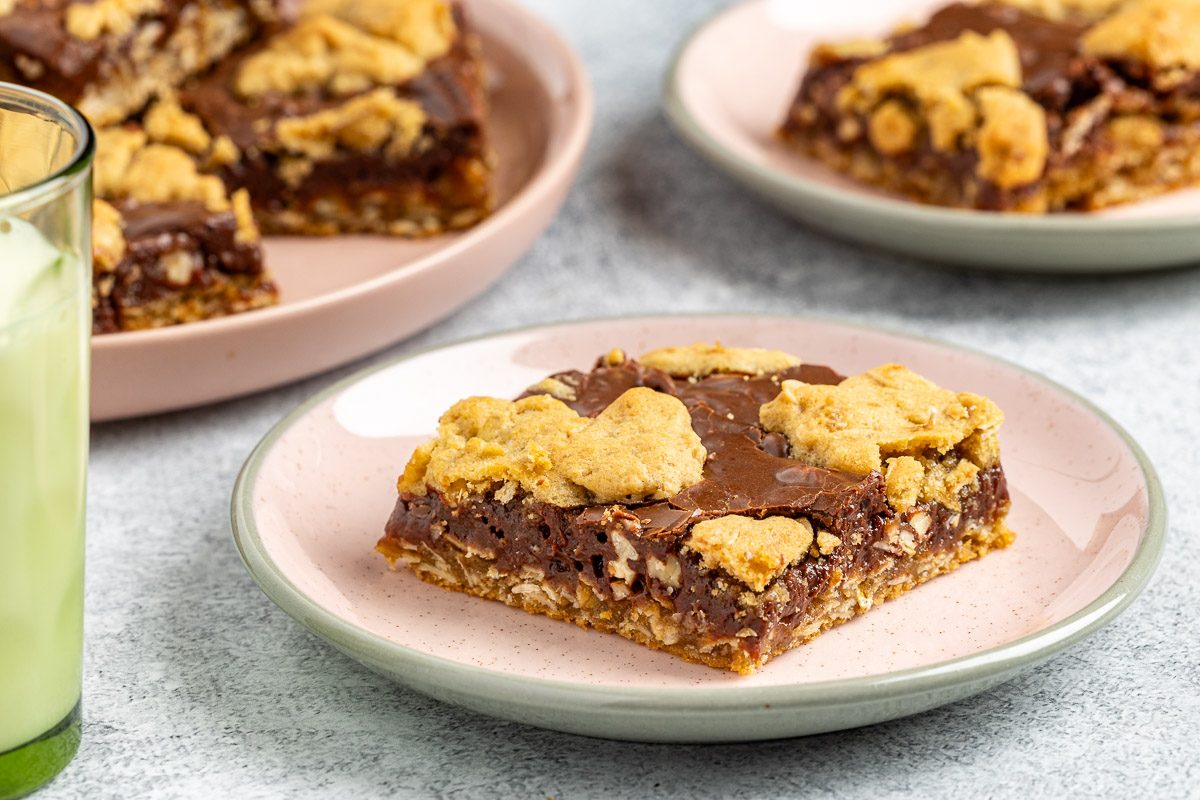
(45, 290)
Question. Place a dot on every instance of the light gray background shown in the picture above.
(197, 686)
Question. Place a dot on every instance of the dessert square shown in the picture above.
(362, 117)
(170, 245)
(109, 57)
(721, 504)
(1013, 105)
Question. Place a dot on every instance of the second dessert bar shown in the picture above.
(1017, 105)
(363, 117)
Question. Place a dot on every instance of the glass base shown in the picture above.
(32, 765)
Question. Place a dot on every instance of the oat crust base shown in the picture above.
(646, 622)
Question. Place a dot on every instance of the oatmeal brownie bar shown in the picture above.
(1015, 105)
(169, 244)
(108, 57)
(363, 117)
(721, 504)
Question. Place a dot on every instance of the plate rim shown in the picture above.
(941, 676)
(764, 180)
(576, 134)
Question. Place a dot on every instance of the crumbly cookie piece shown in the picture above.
(891, 420)
(755, 551)
(940, 79)
(700, 359)
(425, 27)
(108, 239)
(1164, 34)
(1087, 10)
(640, 447)
(324, 53)
(377, 121)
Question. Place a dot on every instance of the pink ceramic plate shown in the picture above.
(345, 297)
(312, 500)
(735, 77)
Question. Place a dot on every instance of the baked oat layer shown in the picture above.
(1014, 105)
(722, 504)
(657, 626)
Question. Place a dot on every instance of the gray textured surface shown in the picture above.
(197, 686)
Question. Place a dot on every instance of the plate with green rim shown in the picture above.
(313, 498)
(732, 80)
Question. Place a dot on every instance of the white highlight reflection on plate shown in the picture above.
(369, 408)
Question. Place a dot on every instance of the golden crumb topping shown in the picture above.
(426, 27)
(555, 388)
(1013, 141)
(698, 360)
(1067, 9)
(164, 161)
(108, 237)
(247, 228)
(903, 480)
(832, 52)
(377, 121)
(940, 80)
(890, 420)
(168, 123)
(755, 551)
(641, 447)
(107, 17)
(1164, 34)
(892, 128)
(126, 165)
(827, 542)
(324, 52)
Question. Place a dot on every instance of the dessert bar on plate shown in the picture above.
(1014, 105)
(722, 504)
(170, 244)
(108, 57)
(362, 117)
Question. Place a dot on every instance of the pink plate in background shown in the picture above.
(344, 297)
(313, 498)
(732, 82)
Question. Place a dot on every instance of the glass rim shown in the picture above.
(66, 116)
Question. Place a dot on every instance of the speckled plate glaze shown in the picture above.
(313, 498)
(343, 297)
(733, 79)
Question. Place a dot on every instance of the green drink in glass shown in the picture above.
(45, 289)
